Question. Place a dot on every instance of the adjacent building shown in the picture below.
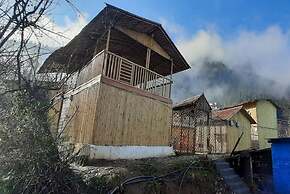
(264, 112)
(191, 118)
(235, 123)
(197, 128)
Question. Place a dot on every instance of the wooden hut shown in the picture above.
(117, 98)
(199, 129)
(191, 119)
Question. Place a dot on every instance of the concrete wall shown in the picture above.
(124, 152)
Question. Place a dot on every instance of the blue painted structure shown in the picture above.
(281, 164)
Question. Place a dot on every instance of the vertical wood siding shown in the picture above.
(93, 69)
(82, 113)
(125, 118)
(105, 115)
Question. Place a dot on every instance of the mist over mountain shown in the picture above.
(248, 65)
(226, 85)
(237, 84)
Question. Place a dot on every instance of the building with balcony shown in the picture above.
(116, 99)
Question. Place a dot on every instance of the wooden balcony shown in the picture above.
(124, 71)
(129, 73)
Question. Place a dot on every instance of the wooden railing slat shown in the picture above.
(121, 69)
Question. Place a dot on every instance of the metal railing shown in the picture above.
(127, 72)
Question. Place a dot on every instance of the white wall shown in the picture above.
(125, 152)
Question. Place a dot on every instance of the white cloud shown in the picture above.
(175, 30)
(203, 45)
(266, 52)
(51, 34)
(62, 34)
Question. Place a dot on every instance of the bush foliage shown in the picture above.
(29, 159)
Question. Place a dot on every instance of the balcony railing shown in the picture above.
(127, 72)
(119, 69)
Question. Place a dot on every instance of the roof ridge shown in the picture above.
(230, 107)
(133, 15)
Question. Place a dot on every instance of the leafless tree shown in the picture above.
(30, 161)
(19, 22)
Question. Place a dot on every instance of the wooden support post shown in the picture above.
(171, 126)
(171, 72)
(148, 55)
(148, 58)
(251, 172)
(246, 168)
(104, 69)
(108, 39)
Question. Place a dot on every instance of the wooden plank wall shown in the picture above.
(93, 69)
(267, 122)
(126, 118)
(218, 139)
(105, 115)
(82, 111)
(184, 139)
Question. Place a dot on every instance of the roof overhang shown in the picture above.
(81, 48)
(190, 102)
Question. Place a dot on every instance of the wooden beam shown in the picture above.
(106, 51)
(145, 40)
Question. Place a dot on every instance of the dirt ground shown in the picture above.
(169, 175)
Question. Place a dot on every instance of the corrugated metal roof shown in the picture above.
(228, 112)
